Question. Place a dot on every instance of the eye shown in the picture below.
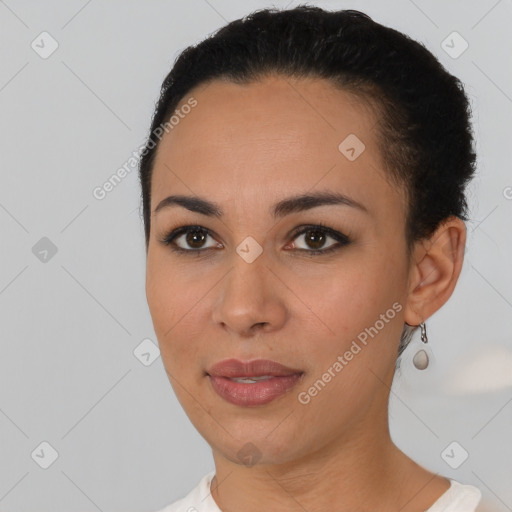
(193, 236)
(192, 239)
(315, 237)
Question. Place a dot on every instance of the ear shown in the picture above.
(435, 269)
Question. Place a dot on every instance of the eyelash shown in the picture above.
(342, 239)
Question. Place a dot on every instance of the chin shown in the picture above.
(255, 448)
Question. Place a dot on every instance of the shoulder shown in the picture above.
(458, 498)
(486, 506)
(198, 499)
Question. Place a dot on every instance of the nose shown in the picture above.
(250, 299)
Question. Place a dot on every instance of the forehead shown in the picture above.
(274, 136)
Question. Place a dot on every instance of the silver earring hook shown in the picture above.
(423, 327)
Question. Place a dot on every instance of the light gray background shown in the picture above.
(69, 325)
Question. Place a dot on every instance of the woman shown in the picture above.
(303, 196)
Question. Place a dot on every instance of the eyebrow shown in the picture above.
(282, 208)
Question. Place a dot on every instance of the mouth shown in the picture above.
(256, 382)
(252, 380)
(236, 369)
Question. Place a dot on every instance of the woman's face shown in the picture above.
(257, 290)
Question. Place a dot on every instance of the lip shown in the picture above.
(233, 368)
(283, 379)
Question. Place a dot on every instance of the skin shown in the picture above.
(245, 148)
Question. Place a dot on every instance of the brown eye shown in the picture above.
(315, 237)
(190, 238)
(196, 238)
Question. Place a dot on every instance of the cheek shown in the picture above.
(169, 290)
(360, 302)
(174, 299)
(346, 298)
(169, 299)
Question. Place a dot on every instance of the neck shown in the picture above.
(365, 472)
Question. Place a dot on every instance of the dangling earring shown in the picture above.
(420, 359)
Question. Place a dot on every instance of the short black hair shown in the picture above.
(423, 113)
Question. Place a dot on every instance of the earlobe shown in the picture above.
(437, 262)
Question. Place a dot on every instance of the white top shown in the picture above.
(458, 498)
